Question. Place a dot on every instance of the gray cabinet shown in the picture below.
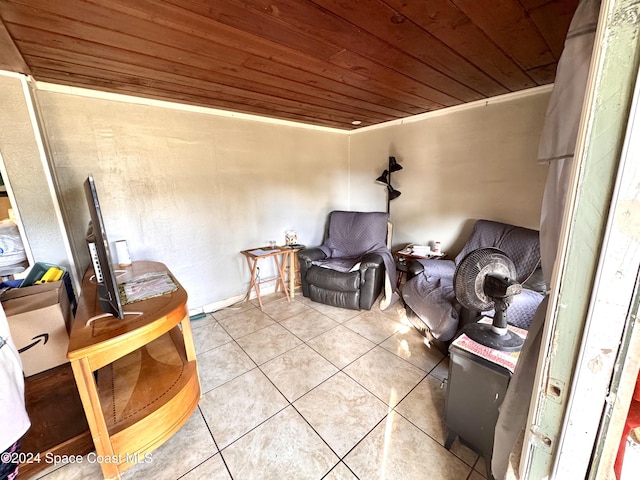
(476, 388)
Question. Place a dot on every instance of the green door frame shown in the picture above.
(592, 304)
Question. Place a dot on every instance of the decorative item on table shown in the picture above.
(290, 238)
(147, 285)
(385, 179)
(436, 247)
(421, 250)
(122, 252)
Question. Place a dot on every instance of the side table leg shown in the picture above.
(280, 266)
(292, 273)
(253, 266)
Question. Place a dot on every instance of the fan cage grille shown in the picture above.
(470, 275)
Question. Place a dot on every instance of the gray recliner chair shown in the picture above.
(348, 270)
(430, 297)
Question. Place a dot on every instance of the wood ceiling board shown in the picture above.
(552, 21)
(127, 42)
(393, 79)
(368, 60)
(400, 90)
(401, 32)
(532, 4)
(453, 28)
(10, 57)
(508, 25)
(224, 35)
(544, 75)
(212, 21)
(310, 18)
(145, 91)
(112, 28)
(251, 80)
(391, 106)
(279, 90)
(215, 94)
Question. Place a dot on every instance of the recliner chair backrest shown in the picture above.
(352, 233)
(521, 245)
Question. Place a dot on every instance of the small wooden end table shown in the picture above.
(280, 256)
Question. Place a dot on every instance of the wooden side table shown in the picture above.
(280, 256)
(137, 378)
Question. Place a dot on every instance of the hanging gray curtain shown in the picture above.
(557, 147)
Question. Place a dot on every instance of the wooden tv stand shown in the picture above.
(137, 377)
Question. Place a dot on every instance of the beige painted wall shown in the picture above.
(192, 189)
(459, 165)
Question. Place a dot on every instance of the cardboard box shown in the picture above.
(39, 320)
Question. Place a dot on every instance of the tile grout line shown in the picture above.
(390, 409)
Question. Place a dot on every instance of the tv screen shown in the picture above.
(98, 243)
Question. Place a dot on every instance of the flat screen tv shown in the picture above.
(98, 243)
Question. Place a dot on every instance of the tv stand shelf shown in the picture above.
(137, 377)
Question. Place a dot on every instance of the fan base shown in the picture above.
(482, 333)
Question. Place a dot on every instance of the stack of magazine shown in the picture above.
(146, 286)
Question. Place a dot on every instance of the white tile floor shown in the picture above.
(307, 391)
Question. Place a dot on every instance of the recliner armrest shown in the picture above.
(372, 273)
(414, 267)
(311, 254)
(370, 260)
(438, 268)
(306, 257)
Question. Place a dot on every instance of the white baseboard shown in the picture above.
(215, 306)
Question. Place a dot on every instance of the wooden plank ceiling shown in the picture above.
(323, 62)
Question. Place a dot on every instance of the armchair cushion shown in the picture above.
(334, 280)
